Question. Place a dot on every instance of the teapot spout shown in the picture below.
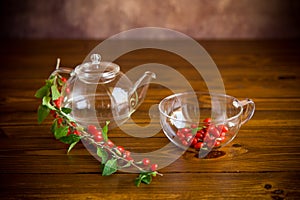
(140, 88)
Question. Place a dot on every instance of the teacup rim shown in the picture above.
(206, 93)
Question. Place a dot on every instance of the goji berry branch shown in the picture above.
(66, 130)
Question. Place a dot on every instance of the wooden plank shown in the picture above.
(120, 186)
(262, 162)
(14, 101)
(256, 151)
(268, 118)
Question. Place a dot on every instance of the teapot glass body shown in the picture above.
(98, 92)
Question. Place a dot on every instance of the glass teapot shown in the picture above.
(98, 92)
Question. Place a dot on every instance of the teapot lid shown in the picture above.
(97, 71)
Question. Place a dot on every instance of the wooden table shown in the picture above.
(262, 162)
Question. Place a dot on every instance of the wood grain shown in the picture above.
(262, 162)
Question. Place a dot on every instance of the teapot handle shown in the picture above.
(248, 110)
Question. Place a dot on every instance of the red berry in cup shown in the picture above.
(193, 126)
(202, 131)
(180, 134)
(146, 161)
(208, 136)
(223, 129)
(185, 130)
(198, 146)
(207, 121)
(184, 142)
(199, 135)
(154, 167)
(92, 129)
(222, 134)
(213, 131)
(194, 141)
(217, 143)
(188, 136)
(222, 138)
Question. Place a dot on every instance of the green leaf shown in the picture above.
(69, 139)
(195, 130)
(138, 181)
(147, 179)
(101, 167)
(54, 125)
(110, 167)
(46, 102)
(59, 81)
(104, 131)
(43, 91)
(55, 93)
(61, 132)
(43, 112)
(153, 174)
(102, 154)
(144, 178)
(66, 110)
(72, 146)
(50, 81)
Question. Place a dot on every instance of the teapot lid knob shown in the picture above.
(95, 58)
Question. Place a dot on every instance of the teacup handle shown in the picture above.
(248, 110)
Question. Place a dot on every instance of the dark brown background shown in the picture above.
(94, 19)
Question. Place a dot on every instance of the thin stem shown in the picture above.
(57, 63)
(114, 154)
(88, 137)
